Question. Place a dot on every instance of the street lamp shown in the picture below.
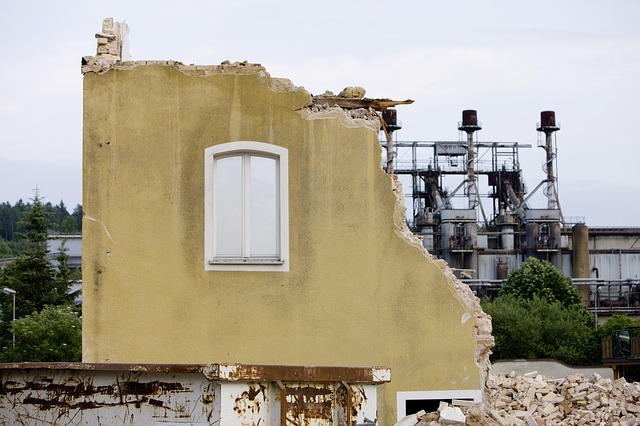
(11, 291)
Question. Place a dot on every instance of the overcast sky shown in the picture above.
(509, 60)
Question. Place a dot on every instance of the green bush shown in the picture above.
(537, 328)
(54, 334)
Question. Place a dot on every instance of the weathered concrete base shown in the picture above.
(220, 394)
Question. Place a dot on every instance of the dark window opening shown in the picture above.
(412, 406)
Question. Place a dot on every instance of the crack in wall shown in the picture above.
(86, 216)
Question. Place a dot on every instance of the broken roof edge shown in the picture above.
(113, 53)
(94, 64)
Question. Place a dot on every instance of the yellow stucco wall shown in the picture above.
(357, 293)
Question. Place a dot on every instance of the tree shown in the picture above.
(77, 215)
(63, 273)
(537, 328)
(58, 219)
(539, 314)
(5, 249)
(54, 334)
(9, 216)
(68, 225)
(31, 275)
(540, 278)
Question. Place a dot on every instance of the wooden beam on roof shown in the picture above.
(354, 103)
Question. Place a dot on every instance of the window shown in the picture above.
(246, 207)
(413, 402)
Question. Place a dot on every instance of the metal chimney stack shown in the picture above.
(470, 124)
(390, 125)
(548, 126)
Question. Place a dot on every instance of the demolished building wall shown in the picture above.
(357, 289)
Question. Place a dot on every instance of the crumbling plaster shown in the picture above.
(482, 322)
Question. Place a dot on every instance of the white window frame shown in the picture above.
(211, 263)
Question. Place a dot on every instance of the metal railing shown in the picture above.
(605, 297)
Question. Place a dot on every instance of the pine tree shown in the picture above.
(36, 281)
(77, 215)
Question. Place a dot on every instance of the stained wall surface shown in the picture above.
(359, 291)
(78, 394)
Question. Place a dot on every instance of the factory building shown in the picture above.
(485, 232)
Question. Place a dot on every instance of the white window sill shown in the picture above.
(246, 261)
(247, 265)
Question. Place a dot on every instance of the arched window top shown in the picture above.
(246, 146)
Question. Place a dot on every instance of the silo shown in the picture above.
(428, 238)
(447, 230)
(502, 270)
(580, 257)
(580, 253)
(507, 238)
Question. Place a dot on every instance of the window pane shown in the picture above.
(228, 206)
(264, 207)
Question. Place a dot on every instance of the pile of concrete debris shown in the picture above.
(533, 400)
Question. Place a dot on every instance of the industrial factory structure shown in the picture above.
(483, 242)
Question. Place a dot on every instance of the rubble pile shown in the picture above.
(533, 400)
